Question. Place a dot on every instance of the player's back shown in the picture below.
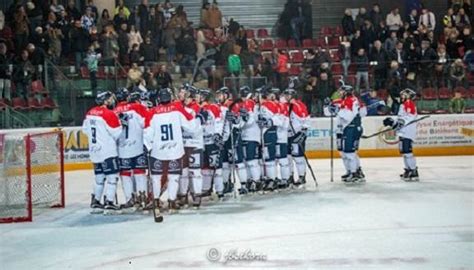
(131, 139)
(102, 128)
(250, 130)
(298, 115)
(408, 113)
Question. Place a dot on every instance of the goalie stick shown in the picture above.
(390, 129)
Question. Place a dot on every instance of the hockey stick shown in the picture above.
(262, 137)
(159, 218)
(332, 147)
(304, 154)
(390, 129)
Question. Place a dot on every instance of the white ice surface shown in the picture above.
(384, 224)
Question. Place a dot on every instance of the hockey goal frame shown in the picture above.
(27, 139)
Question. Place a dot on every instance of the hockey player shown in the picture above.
(233, 153)
(298, 123)
(348, 132)
(213, 145)
(282, 142)
(268, 121)
(132, 159)
(163, 140)
(194, 148)
(103, 128)
(407, 133)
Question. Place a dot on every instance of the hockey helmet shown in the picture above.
(290, 92)
(134, 96)
(164, 96)
(102, 97)
(410, 93)
(204, 93)
(346, 88)
(122, 94)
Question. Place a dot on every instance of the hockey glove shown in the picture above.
(244, 114)
(231, 117)
(202, 116)
(388, 122)
(333, 109)
(327, 101)
(300, 137)
(218, 140)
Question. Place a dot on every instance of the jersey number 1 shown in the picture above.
(166, 132)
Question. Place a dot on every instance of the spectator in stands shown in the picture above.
(149, 52)
(157, 21)
(134, 75)
(5, 73)
(368, 33)
(362, 69)
(361, 18)
(412, 20)
(457, 74)
(134, 18)
(357, 43)
(87, 20)
(36, 55)
(201, 42)
(382, 31)
(394, 21)
(23, 73)
(79, 38)
(134, 55)
(170, 34)
(178, 19)
(379, 60)
(121, 17)
(122, 40)
(324, 89)
(345, 52)
(453, 44)
(121, 6)
(109, 45)
(457, 103)
(391, 42)
(214, 17)
(234, 63)
(427, 18)
(441, 66)
(94, 10)
(449, 20)
(394, 88)
(55, 37)
(427, 60)
(469, 60)
(186, 46)
(309, 93)
(134, 37)
(462, 19)
(55, 7)
(241, 39)
(72, 11)
(399, 54)
(92, 61)
(205, 13)
(467, 38)
(372, 102)
(21, 28)
(39, 38)
(104, 20)
(163, 78)
(143, 15)
(348, 25)
(282, 68)
(376, 15)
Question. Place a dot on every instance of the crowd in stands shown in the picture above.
(372, 50)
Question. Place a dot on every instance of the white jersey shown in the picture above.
(298, 117)
(130, 142)
(282, 130)
(250, 129)
(349, 109)
(408, 113)
(236, 106)
(271, 110)
(214, 123)
(163, 131)
(103, 129)
(194, 139)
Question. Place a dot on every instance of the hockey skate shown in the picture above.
(243, 189)
(173, 207)
(352, 178)
(183, 201)
(360, 177)
(405, 176)
(269, 185)
(282, 184)
(228, 187)
(413, 176)
(156, 211)
(196, 201)
(252, 186)
(97, 207)
(141, 200)
(220, 197)
(299, 184)
(345, 176)
(129, 207)
(110, 208)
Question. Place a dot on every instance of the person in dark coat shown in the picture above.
(379, 59)
(427, 60)
(79, 42)
(186, 46)
(348, 24)
(163, 78)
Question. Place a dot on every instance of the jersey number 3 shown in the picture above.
(166, 132)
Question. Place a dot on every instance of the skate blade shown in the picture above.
(129, 210)
(158, 218)
(97, 211)
(110, 212)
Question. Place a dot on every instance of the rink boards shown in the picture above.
(437, 135)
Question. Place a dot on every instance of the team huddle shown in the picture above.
(195, 144)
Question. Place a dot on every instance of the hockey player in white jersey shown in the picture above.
(103, 128)
(132, 159)
(194, 149)
(282, 146)
(268, 121)
(163, 138)
(406, 133)
(298, 125)
(213, 145)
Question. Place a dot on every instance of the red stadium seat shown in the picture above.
(428, 94)
(325, 31)
(295, 70)
(464, 92)
(281, 44)
(3, 103)
(250, 33)
(262, 33)
(338, 31)
(19, 104)
(296, 56)
(101, 75)
(34, 103)
(48, 103)
(307, 43)
(85, 73)
(37, 87)
(334, 42)
(444, 93)
(292, 44)
(471, 92)
(267, 45)
(337, 69)
(319, 42)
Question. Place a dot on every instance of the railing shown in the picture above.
(12, 118)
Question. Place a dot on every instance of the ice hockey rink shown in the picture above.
(382, 224)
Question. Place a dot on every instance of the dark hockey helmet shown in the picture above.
(346, 88)
(102, 97)
(409, 93)
(122, 94)
(245, 92)
(164, 96)
(223, 90)
(134, 96)
(204, 93)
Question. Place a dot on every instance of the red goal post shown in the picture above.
(31, 174)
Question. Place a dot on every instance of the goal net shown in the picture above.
(31, 174)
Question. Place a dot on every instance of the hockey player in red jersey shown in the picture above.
(298, 123)
(407, 133)
(103, 128)
(163, 138)
(132, 159)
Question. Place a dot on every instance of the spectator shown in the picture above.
(205, 13)
(412, 60)
(134, 75)
(449, 20)
(134, 37)
(362, 69)
(441, 66)
(453, 44)
(5, 73)
(135, 56)
(39, 38)
(149, 52)
(72, 11)
(35, 14)
(121, 6)
(394, 21)
(157, 21)
(457, 74)
(309, 93)
(241, 39)
(200, 42)
(55, 37)
(23, 72)
(87, 20)
(348, 25)
(94, 11)
(368, 33)
(120, 18)
(122, 40)
(469, 60)
(427, 60)
(462, 19)
(357, 43)
(379, 60)
(412, 20)
(109, 45)
(324, 89)
(361, 18)
(382, 31)
(134, 18)
(345, 51)
(179, 19)
(234, 63)
(427, 18)
(186, 46)
(20, 25)
(457, 103)
(282, 68)
(399, 54)
(79, 42)
(376, 15)
(298, 19)
(372, 102)
(391, 42)
(467, 39)
(104, 20)
(36, 55)
(170, 35)
(55, 7)
(214, 17)
(163, 78)
(92, 61)
(143, 15)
